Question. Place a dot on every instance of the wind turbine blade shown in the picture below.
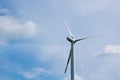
(68, 28)
(68, 61)
(84, 38)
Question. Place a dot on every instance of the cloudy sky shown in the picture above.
(33, 43)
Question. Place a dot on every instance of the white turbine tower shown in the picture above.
(72, 40)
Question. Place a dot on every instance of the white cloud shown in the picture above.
(50, 51)
(4, 10)
(76, 78)
(33, 73)
(115, 49)
(86, 7)
(104, 67)
(11, 28)
(2, 42)
(29, 73)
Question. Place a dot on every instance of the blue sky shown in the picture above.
(33, 43)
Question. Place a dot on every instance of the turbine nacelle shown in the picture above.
(71, 40)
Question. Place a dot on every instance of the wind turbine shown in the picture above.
(72, 40)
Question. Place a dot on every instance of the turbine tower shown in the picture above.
(72, 40)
